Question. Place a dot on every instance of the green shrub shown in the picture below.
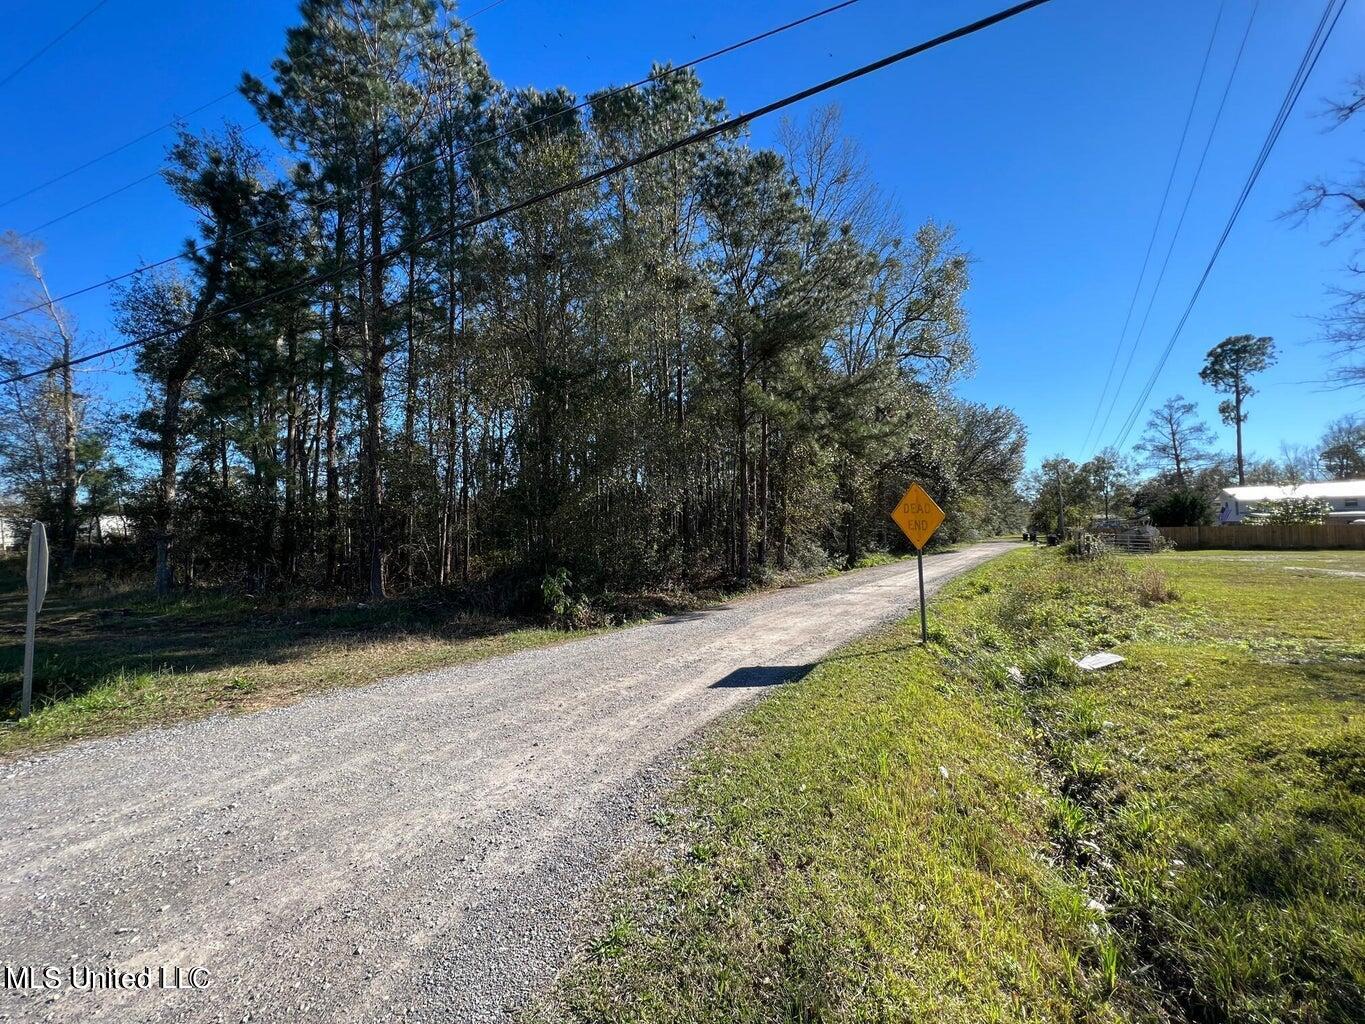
(1182, 508)
(564, 609)
(1289, 511)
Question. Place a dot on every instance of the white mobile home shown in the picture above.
(1347, 498)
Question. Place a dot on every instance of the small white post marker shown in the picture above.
(37, 590)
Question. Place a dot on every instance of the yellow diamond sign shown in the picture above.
(918, 516)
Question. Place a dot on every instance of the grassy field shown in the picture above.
(925, 835)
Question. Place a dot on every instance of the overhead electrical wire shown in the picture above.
(508, 133)
(107, 195)
(1156, 223)
(93, 202)
(149, 134)
(481, 10)
(701, 135)
(1180, 221)
(51, 43)
(1306, 65)
(117, 149)
(1326, 25)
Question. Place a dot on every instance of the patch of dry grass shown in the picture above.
(1153, 586)
(109, 660)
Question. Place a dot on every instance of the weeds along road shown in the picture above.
(420, 848)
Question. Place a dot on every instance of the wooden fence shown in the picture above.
(1332, 535)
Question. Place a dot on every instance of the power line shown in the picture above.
(508, 133)
(481, 10)
(51, 43)
(1296, 87)
(701, 135)
(93, 202)
(1180, 221)
(99, 199)
(1156, 224)
(149, 134)
(117, 149)
(1326, 25)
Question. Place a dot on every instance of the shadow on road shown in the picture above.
(692, 615)
(761, 675)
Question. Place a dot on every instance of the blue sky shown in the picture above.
(1045, 141)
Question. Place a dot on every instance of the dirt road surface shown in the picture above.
(419, 849)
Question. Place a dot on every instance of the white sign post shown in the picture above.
(37, 590)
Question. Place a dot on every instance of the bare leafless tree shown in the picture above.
(1176, 440)
(42, 338)
(1344, 325)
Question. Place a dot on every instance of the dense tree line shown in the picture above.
(725, 360)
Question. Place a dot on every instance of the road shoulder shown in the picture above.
(912, 834)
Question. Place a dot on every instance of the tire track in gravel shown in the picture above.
(417, 849)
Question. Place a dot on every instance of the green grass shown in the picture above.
(915, 835)
(109, 660)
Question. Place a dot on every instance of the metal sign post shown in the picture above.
(37, 590)
(918, 516)
(923, 615)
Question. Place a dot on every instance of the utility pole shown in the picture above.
(1061, 506)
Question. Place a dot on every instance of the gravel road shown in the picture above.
(418, 849)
